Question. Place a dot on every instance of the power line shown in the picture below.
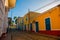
(46, 5)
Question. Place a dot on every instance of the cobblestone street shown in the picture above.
(18, 35)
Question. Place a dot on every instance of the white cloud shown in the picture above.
(49, 6)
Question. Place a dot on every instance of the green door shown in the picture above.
(47, 22)
(36, 24)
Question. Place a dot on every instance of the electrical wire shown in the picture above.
(46, 5)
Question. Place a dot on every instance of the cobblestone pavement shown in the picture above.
(18, 35)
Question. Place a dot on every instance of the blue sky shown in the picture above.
(22, 6)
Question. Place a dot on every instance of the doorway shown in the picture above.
(47, 22)
(37, 28)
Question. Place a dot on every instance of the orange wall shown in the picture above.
(29, 15)
(54, 16)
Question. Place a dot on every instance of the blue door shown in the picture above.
(30, 26)
(37, 29)
(25, 27)
(19, 27)
(47, 22)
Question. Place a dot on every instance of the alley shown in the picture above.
(19, 35)
(29, 20)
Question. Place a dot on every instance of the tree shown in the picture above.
(9, 20)
(12, 22)
(16, 21)
(15, 18)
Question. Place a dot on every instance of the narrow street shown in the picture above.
(18, 35)
(29, 20)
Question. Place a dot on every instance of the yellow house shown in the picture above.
(20, 23)
(27, 19)
(19, 19)
(48, 22)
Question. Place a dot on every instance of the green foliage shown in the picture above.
(9, 20)
(15, 18)
(12, 22)
(16, 21)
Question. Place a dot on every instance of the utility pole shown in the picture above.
(11, 16)
(28, 18)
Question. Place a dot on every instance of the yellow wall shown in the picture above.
(20, 23)
(19, 20)
(26, 22)
(53, 14)
(10, 3)
(33, 15)
(29, 15)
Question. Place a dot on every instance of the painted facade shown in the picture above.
(48, 22)
(45, 23)
(27, 19)
(4, 8)
(19, 23)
